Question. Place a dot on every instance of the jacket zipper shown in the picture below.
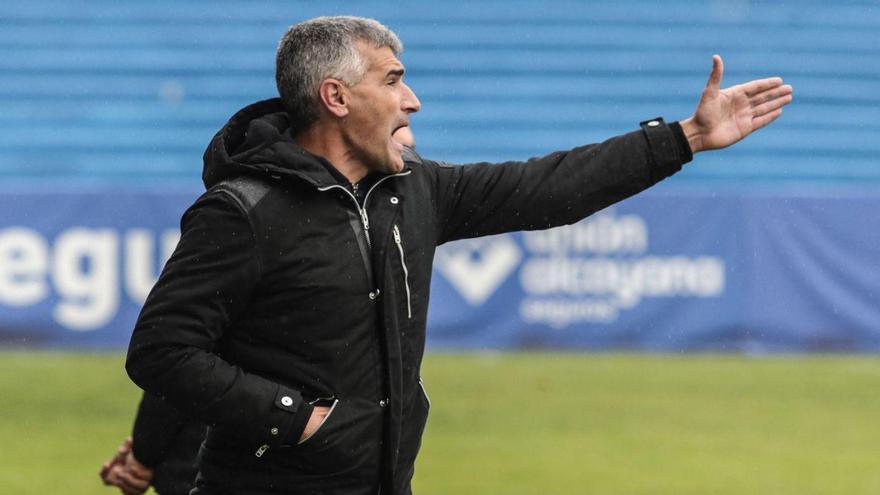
(365, 219)
(397, 241)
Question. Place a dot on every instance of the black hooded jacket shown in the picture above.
(283, 291)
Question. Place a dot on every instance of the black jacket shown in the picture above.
(283, 291)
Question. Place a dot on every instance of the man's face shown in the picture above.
(380, 104)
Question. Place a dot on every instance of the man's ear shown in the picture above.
(334, 96)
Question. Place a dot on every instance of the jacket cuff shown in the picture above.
(669, 147)
(289, 418)
(684, 147)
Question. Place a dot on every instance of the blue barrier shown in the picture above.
(672, 269)
(123, 90)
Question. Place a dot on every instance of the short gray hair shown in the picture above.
(321, 48)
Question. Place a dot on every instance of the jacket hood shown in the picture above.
(257, 140)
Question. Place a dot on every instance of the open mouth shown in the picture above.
(394, 139)
(401, 126)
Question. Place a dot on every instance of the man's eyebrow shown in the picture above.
(396, 72)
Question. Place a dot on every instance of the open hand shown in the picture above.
(725, 116)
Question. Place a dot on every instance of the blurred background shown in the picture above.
(713, 334)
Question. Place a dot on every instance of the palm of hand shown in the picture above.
(726, 116)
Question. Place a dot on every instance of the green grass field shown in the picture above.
(526, 424)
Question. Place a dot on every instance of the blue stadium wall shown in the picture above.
(771, 245)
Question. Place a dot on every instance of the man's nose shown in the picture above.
(410, 102)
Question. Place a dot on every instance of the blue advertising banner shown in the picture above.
(75, 265)
(791, 271)
(672, 269)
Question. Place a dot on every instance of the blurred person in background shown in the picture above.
(161, 452)
(291, 316)
(164, 445)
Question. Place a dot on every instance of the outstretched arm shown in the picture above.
(564, 187)
(725, 116)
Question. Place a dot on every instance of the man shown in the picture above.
(291, 317)
(162, 451)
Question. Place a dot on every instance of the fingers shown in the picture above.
(713, 85)
(122, 452)
(134, 466)
(759, 122)
(130, 476)
(105, 473)
(771, 94)
(757, 86)
(111, 477)
(129, 483)
(140, 471)
(771, 105)
(106, 468)
(770, 100)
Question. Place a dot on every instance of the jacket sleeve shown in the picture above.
(156, 427)
(174, 347)
(558, 189)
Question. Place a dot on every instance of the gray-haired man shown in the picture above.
(291, 317)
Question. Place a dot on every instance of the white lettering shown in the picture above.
(559, 313)
(170, 238)
(141, 267)
(601, 234)
(86, 271)
(23, 264)
(627, 280)
(139, 253)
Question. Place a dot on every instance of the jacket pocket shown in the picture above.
(323, 422)
(399, 241)
(349, 438)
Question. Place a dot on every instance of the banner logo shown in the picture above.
(477, 267)
(588, 272)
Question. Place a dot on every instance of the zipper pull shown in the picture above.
(262, 450)
(365, 219)
(396, 232)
